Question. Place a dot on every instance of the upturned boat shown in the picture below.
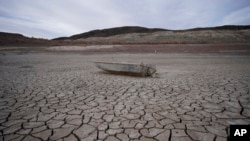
(127, 68)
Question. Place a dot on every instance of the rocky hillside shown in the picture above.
(14, 39)
(138, 35)
(141, 35)
(112, 32)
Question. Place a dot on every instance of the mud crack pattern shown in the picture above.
(65, 98)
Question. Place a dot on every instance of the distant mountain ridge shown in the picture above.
(224, 27)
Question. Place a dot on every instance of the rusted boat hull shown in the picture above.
(141, 69)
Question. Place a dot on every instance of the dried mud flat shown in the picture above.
(48, 96)
(156, 48)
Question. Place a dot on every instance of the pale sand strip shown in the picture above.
(76, 48)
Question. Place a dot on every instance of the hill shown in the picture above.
(113, 31)
(15, 39)
(142, 35)
(138, 35)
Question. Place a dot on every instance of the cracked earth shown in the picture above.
(65, 97)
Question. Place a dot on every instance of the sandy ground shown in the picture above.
(48, 96)
(156, 48)
(81, 48)
(242, 49)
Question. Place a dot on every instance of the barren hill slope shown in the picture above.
(138, 35)
(142, 35)
(15, 39)
(113, 31)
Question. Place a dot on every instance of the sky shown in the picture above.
(57, 18)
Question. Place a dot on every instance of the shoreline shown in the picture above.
(139, 49)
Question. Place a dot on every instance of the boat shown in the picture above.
(128, 68)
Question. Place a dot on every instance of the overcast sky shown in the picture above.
(56, 18)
